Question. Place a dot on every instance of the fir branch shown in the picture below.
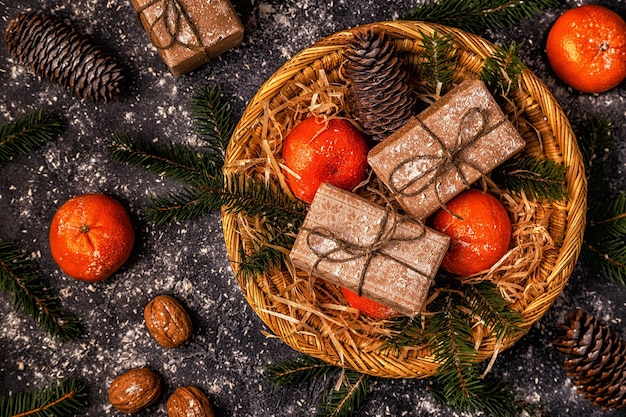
(486, 302)
(451, 341)
(605, 239)
(27, 133)
(190, 203)
(63, 399)
(347, 399)
(540, 179)
(438, 61)
(174, 161)
(487, 396)
(255, 197)
(299, 370)
(267, 255)
(213, 120)
(479, 16)
(236, 194)
(604, 243)
(29, 295)
(406, 332)
(596, 143)
(458, 382)
(501, 70)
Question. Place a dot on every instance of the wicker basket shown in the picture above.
(319, 333)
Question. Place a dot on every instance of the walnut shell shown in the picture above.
(189, 402)
(167, 321)
(135, 390)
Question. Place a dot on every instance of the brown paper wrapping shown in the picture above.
(187, 33)
(476, 137)
(352, 242)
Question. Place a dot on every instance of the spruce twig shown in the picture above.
(438, 60)
(63, 399)
(172, 160)
(501, 70)
(28, 132)
(605, 236)
(347, 399)
(299, 370)
(29, 295)
(341, 401)
(596, 144)
(213, 120)
(458, 382)
(267, 255)
(603, 243)
(479, 16)
(540, 179)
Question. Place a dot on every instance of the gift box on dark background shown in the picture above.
(369, 249)
(445, 148)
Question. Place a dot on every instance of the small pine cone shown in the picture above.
(595, 358)
(56, 52)
(379, 94)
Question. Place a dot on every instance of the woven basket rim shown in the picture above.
(538, 98)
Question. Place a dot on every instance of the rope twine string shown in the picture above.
(450, 156)
(174, 16)
(344, 251)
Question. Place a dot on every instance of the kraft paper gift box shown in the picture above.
(369, 249)
(188, 33)
(443, 150)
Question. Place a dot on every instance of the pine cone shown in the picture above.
(56, 52)
(378, 91)
(595, 358)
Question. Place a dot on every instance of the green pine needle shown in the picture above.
(65, 398)
(438, 62)
(344, 401)
(605, 239)
(604, 243)
(172, 160)
(29, 295)
(595, 138)
(540, 179)
(341, 402)
(28, 133)
(213, 119)
(235, 194)
(486, 302)
(299, 370)
(458, 383)
(406, 332)
(479, 16)
(190, 203)
(267, 255)
(501, 70)
(484, 396)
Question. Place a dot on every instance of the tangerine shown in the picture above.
(91, 236)
(318, 151)
(586, 48)
(369, 307)
(480, 232)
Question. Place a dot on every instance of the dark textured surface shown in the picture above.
(228, 355)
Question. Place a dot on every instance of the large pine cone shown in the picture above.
(595, 359)
(56, 52)
(379, 94)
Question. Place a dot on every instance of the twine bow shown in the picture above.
(345, 251)
(174, 17)
(450, 156)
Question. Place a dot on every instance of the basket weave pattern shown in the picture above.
(321, 334)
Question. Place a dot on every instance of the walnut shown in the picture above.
(135, 390)
(189, 402)
(167, 321)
